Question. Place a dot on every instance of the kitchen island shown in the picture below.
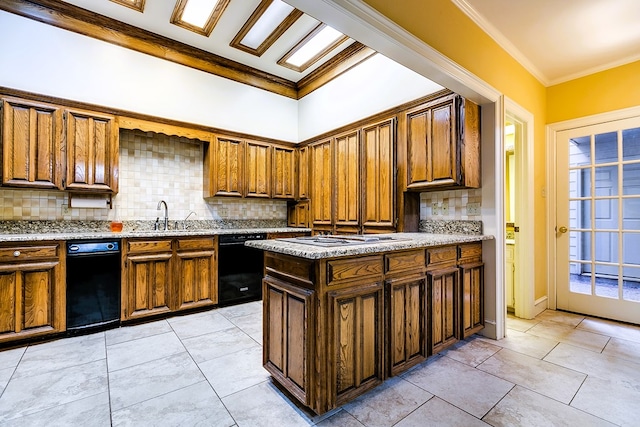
(343, 313)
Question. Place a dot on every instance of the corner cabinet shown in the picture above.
(32, 290)
(92, 152)
(31, 140)
(443, 144)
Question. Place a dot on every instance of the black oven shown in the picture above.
(240, 269)
(93, 285)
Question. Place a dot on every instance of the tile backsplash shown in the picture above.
(455, 201)
(153, 167)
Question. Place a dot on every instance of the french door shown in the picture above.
(598, 220)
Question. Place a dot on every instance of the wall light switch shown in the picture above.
(435, 209)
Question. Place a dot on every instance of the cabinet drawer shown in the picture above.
(442, 257)
(469, 252)
(141, 246)
(201, 243)
(342, 270)
(19, 253)
(404, 261)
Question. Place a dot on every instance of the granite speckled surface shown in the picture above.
(442, 226)
(25, 231)
(405, 241)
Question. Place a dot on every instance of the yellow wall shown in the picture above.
(597, 93)
(443, 26)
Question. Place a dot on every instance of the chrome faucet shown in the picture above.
(166, 214)
(184, 222)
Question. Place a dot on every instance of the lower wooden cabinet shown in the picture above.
(444, 286)
(472, 288)
(164, 275)
(32, 290)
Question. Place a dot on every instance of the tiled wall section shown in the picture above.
(456, 200)
(153, 167)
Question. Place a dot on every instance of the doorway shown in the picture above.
(598, 219)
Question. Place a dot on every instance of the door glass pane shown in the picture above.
(606, 147)
(606, 286)
(631, 248)
(580, 245)
(580, 214)
(606, 213)
(578, 282)
(631, 144)
(606, 250)
(631, 178)
(580, 151)
(606, 181)
(631, 214)
(631, 284)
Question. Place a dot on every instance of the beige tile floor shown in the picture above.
(205, 369)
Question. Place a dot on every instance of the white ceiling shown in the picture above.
(559, 40)
(157, 14)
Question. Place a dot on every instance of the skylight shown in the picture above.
(266, 24)
(199, 16)
(313, 47)
(133, 4)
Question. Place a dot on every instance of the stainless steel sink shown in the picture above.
(340, 240)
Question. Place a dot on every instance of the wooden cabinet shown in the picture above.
(92, 152)
(32, 290)
(32, 140)
(298, 214)
(472, 288)
(164, 275)
(303, 173)
(147, 278)
(284, 172)
(378, 177)
(258, 172)
(347, 186)
(322, 185)
(406, 310)
(288, 341)
(196, 272)
(443, 144)
(443, 293)
(224, 167)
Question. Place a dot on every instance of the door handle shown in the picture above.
(563, 229)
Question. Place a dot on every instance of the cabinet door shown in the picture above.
(196, 279)
(303, 173)
(298, 214)
(357, 323)
(288, 340)
(443, 297)
(284, 173)
(32, 135)
(257, 176)
(228, 168)
(407, 322)
(31, 299)
(321, 183)
(148, 286)
(472, 298)
(347, 174)
(378, 183)
(432, 145)
(92, 152)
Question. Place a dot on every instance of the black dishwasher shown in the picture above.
(240, 269)
(93, 285)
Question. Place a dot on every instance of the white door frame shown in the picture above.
(552, 133)
(526, 305)
(365, 24)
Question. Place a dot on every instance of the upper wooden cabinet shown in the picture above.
(258, 172)
(32, 141)
(284, 172)
(321, 183)
(303, 172)
(92, 152)
(223, 167)
(347, 181)
(443, 144)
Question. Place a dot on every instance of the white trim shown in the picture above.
(501, 39)
(540, 305)
(552, 134)
(525, 269)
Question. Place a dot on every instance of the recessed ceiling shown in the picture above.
(560, 40)
(226, 36)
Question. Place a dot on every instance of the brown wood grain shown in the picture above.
(303, 173)
(284, 176)
(322, 183)
(341, 270)
(347, 178)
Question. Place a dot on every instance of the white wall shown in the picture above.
(374, 86)
(38, 58)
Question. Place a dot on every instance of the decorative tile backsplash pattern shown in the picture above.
(455, 201)
(153, 167)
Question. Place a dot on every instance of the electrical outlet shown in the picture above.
(65, 209)
(444, 209)
(223, 212)
(473, 209)
(435, 209)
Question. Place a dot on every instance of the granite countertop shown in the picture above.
(404, 241)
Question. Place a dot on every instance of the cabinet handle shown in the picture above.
(16, 253)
